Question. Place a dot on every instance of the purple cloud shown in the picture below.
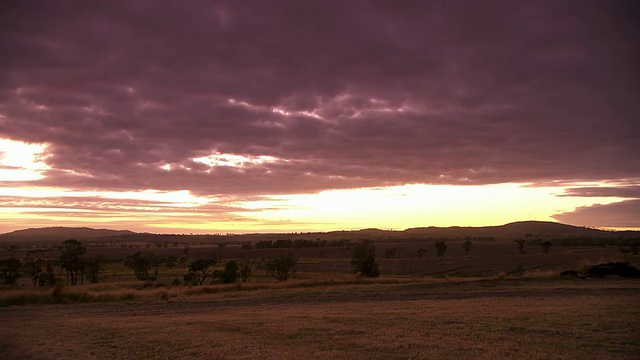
(624, 214)
(342, 94)
(622, 191)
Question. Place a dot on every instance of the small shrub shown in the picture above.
(390, 253)
(107, 297)
(14, 299)
(190, 279)
(467, 246)
(546, 246)
(160, 284)
(230, 273)
(521, 243)
(129, 296)
(56, 293)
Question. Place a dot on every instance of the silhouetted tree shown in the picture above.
(10, 270)
(71, 252)
(420, 253)
(390, 253)
(281, 268)
(521, 242)
(156, 263)
(246, 269)
(48, 277)
(141, 263)
(33, 269)
(467, 246)
(33, 266)
(441, 248)
(201, 269)
(546, 246)
(171, 261)
(94, 268)
(363, 259)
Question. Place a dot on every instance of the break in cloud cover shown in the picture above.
(231, 101)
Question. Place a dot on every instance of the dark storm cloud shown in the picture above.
(622, 214)
(343, 94)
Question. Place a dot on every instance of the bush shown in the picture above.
(363, 259)
(230, 273)
(141, 264)
(281, 268)
(546, 246)
(128, 296)
(10, 270)
(390, 253)
(467, 246)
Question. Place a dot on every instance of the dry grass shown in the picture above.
(148, 291)
(536, 319)
(494, 303)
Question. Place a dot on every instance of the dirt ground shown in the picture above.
(535, 319)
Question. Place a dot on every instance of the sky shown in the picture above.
(289, 116)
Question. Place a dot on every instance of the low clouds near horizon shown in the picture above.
(249, 98)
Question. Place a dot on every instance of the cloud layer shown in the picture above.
(622, 214)
(335, 95)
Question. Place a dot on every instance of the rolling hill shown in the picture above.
(62, 233)
(529, 229)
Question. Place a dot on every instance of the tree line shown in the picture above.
(44, 270)
(72, 267)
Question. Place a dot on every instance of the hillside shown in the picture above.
(514, 230)
(527, 229)
(62, 233)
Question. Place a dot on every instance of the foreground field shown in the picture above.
(537, 319)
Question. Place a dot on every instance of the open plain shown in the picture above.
(418, 319)
(496, 301)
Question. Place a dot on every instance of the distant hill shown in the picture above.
(526, 229)
(515, 230)
(62, 233)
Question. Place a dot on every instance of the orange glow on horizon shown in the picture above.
(397, 208)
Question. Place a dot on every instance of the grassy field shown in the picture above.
(492, 303)
(382, 319)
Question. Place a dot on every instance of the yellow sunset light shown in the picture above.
(400, 207)
(20, 161)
